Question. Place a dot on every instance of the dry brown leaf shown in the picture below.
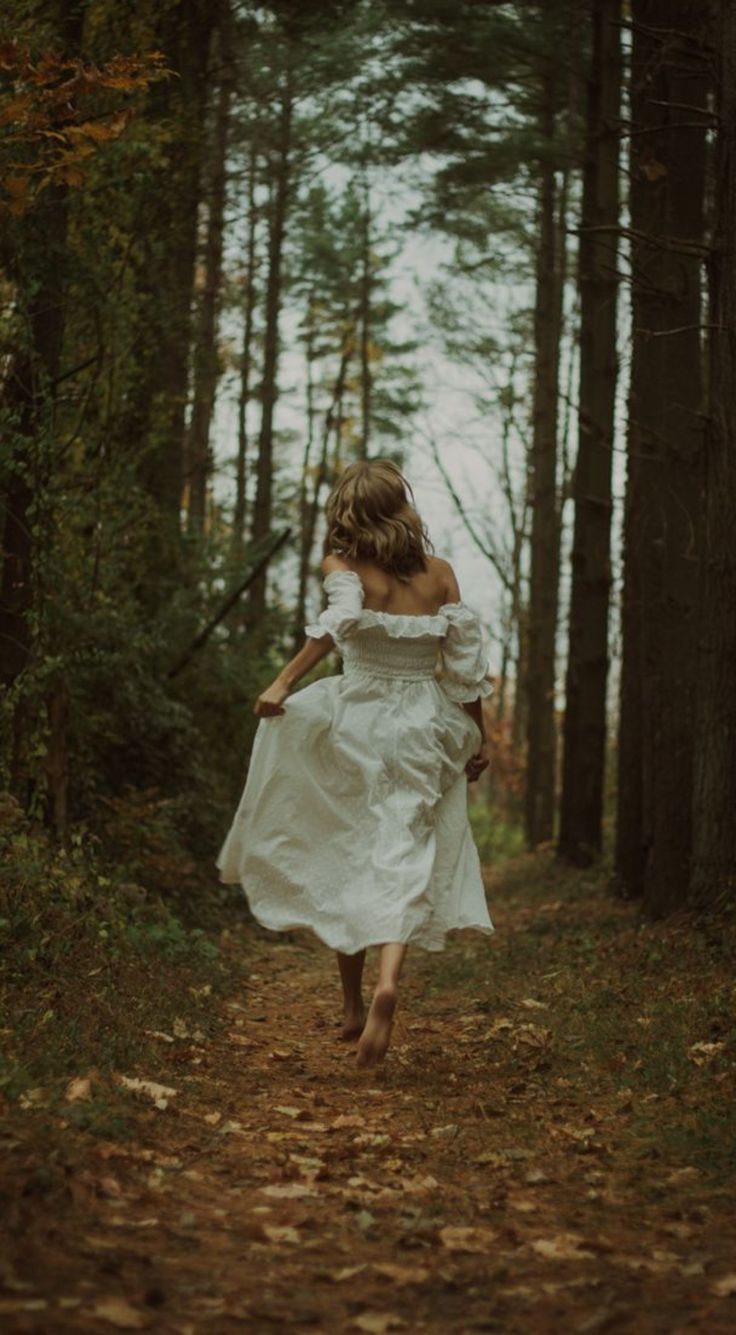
(150, 1088)
(212, 1118)
(287, 1190)
(703, 1053)
(298, 1114)
(346, 1272)
(458, 1238)
(533, 1035)
(562, 1247)
(119, 1313)
(500, 1026)
(530, 1004)
(377, 1323)
(347, 1119)
(402, 1274)
(420, 1184)
(724, 1287)
(79, 1090)
(524, 1204)
(281, 1233)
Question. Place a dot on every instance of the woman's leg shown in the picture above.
(351, 976)
(376, 1036)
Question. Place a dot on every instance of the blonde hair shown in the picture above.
(371, 516)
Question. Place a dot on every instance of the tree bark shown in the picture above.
(366, 374)
(246, 364)
(206, 355)
(262, 506)
(163, 263)
(713, 876)
(545, 528)
(39, 270)
(587, 672)
(665, 445)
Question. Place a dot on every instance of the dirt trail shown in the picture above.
(493, 1176)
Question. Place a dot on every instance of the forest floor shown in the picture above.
(549, 1146)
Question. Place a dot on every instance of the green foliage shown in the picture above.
(495, 837)
(92, 959)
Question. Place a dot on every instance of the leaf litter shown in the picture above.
(497, 1173)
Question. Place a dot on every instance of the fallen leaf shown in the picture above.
(530, 1004)
(346, 1272)
(281, 1233)
(498, 1027)
(562, 1247)
(287, 1190)
(703, 1053)
(347, 1119)
(159, 1093)
(212, 1118)
(79, 1090)
(299, 1114)
(457, 1238)
(377, 1323)
(523, 1203)
(402, 1274)
(418, 1185)
(533, 1035)
(119, 1313)
(32, 1097)
(724, 1287)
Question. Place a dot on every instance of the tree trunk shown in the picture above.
(164, 267)
(545, 536)
(665, 443)
(366, 375)
(312, 506)
(206, 356)
(713, 877)
(39, 270)
(587, 671)
(269, 391)
(246, 364)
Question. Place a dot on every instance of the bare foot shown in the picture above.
(354, 1024)
(376, 1036)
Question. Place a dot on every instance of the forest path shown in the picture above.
(524, 1162)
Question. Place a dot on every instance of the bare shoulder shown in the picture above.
(445, 575)
(332, 563)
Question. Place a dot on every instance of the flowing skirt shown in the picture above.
(353, 821)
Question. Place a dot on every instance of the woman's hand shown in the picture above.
(270, 702)
(478, 762)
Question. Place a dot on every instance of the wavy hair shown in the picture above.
(371, 516)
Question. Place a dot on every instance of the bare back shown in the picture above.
(421, 594)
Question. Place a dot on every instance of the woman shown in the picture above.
(354, 821)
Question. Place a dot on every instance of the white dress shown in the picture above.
(353, 821)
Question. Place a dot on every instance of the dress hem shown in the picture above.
(435, 947)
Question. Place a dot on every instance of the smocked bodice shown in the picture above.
(406, 647)
(371, 649)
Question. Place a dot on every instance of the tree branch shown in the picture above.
(229, 602)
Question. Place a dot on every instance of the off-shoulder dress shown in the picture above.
(353, 821)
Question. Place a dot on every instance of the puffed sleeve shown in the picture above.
(465, 660)
(344, 606)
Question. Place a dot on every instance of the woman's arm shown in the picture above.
(271, 701)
